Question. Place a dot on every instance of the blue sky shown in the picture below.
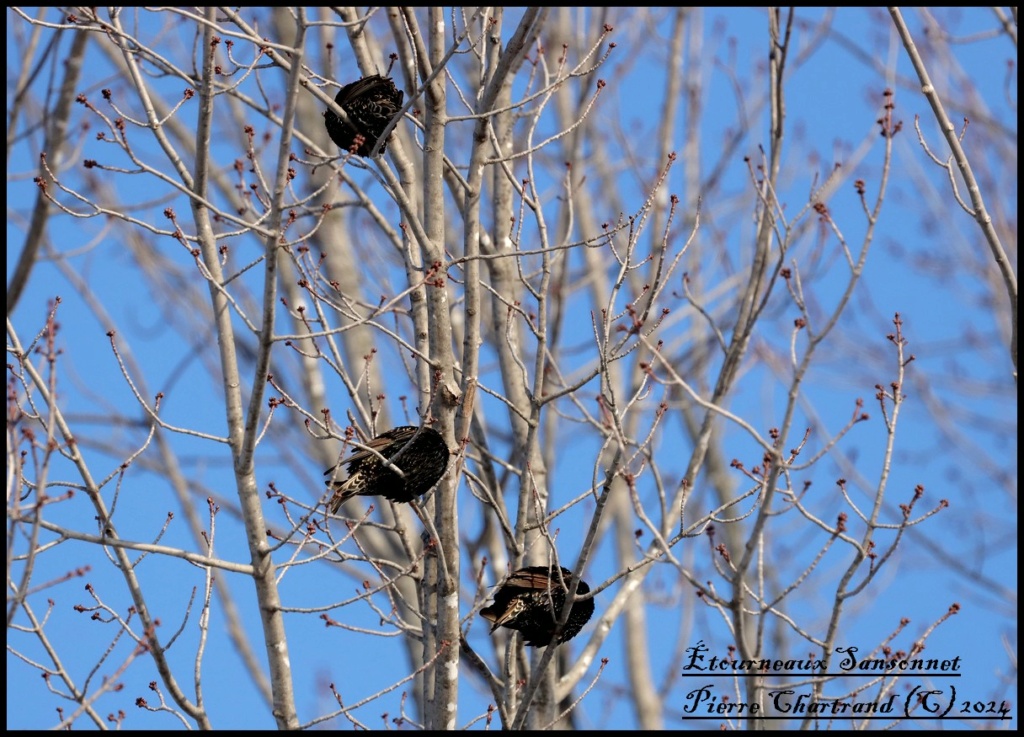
(927, 264)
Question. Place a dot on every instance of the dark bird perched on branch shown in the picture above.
(370, 104)
(421, 454)
(531, 601)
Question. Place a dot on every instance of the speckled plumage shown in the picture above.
(424, 461)
(370, 103)
(531, 600)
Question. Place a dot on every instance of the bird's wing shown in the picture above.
(379, 443)
(491, 614)
(532, 579)
(358, 88)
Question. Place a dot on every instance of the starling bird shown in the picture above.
(423, 461)
(370, 104)
(531, 601)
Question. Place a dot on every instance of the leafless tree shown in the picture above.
(669, 353)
